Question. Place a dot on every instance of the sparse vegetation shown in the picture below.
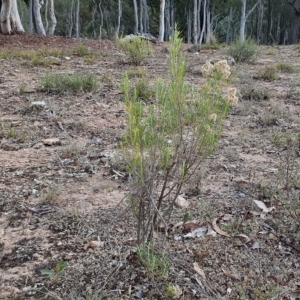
(156, 262)
(269, 73)
(49, 195)
(61, 83)
(243, 51)
(285, 68)
(136, 49)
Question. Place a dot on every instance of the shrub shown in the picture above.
(135, 48)
(269, 73)
(165, 142)
(59, 83)
(285, 68)
(243, 51)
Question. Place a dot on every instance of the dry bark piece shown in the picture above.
(230, 274)
(199, 270)
(52, 142)
(218, 229)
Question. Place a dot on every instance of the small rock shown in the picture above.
(181, 202)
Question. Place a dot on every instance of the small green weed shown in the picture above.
(56, 273)
(49, 195)
(173, 291)
(285, 68)
(251, 94)
(243, 51)
(269, 73)
(60, 83)
(136, 49)
(22, 89)
(82, 50)
(156, 263)
(271, 52)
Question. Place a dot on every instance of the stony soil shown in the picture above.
(61, 194)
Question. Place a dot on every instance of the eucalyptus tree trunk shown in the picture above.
(167, 21)
(244, 18)
(228, 32)
(208, 24)
(204, 22)
(37, 20)
(145, 16)
(136, 25)
(10, 18)
(77, 20)
(52, 19)
(119, 17)
(295, 26)
(161, 21)
(30, 16)
(101, 21)
(71, 23)
(195, 22)
(189, 26)
(141, 17)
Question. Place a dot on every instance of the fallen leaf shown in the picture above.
(199, 270)
(119, 229)
(244, 236)
(181, 202)
(92, 245)
(217, 228)
(230, 274)
(190, 226)
(177, 225)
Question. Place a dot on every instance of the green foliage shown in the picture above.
(156, 263)
(136, 49)
(82, 50)
(243, 51)
(269, 73)
(56, 273)
(60, 83)
(252, 94)
(166, 141)
(49, 195)
(285, 68)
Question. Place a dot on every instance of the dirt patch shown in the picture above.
(58, 197)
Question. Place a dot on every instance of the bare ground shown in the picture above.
(55, 199)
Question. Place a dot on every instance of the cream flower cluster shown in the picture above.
(221, 67)
(213, 117)
(231, 96)
(207, 69)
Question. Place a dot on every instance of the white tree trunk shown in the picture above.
(189, 26)
(77, 25)
(229, 26)
(204, 22)
(136, 26)
(162, 21)
(208, 25)
(10, 18)
(52, 19)
(119, 16)
(244, 18)
(70, 29)
(101, 21)
(195, 22)
(37, 20)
